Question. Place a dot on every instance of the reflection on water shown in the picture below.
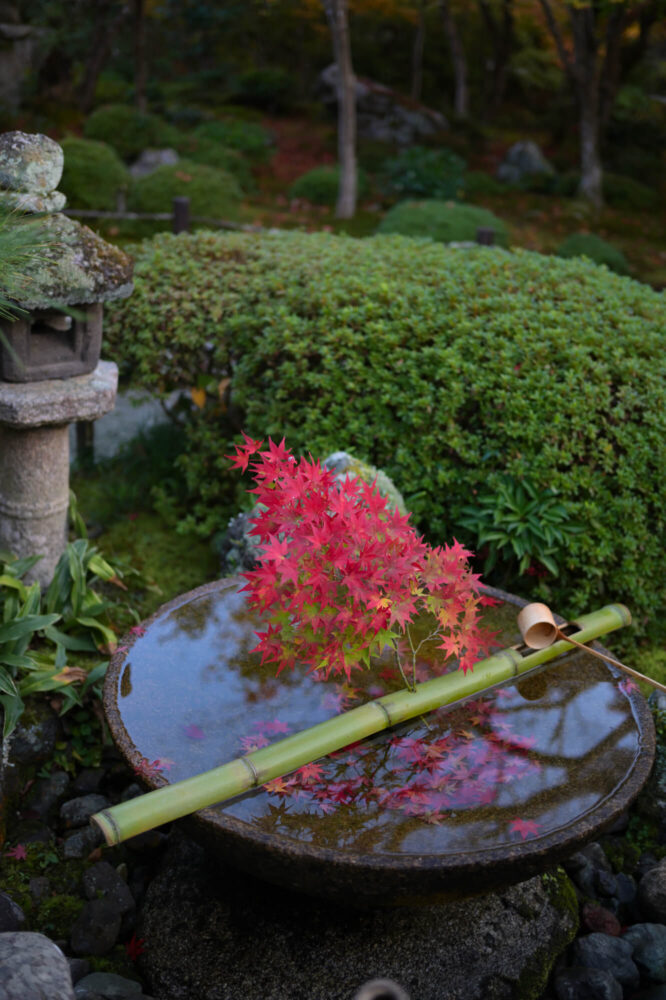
(521, 762)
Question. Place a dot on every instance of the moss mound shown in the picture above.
(212, 192)
(92, 175)
(129, 130)
(320, 185)
(598, 250)
(449, 370)
(444, 221)
(247, 137)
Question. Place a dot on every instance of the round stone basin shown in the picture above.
(463, 801)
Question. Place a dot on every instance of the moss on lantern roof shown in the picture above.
(75, 267)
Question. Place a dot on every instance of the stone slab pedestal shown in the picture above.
(216, 933)
(34, 459)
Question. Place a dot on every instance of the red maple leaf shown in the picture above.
(135, 947)
(19, 853)
(524, 827)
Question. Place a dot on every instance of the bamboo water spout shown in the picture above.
(174, 801)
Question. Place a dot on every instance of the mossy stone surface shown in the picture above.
(76, 267)
(30, 162)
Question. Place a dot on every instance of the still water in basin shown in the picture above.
(519, 764)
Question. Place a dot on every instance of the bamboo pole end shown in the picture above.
(105, 822)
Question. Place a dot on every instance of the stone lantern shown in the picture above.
(50, 372)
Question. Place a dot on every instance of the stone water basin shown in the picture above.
(465, 801)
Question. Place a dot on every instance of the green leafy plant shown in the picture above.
(212, 192)
(38, 632)
(424, 359)
(93, 174)
(418, 172)
(596, 249)
(214, 154)
(444, 221)
(320, 185)
(518, 522)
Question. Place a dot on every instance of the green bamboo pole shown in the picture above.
(127, 819)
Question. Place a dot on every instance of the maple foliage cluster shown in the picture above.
(342, 575)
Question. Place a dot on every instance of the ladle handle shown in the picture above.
(609, 659)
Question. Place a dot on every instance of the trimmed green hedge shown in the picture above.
(598, 250)
(92, 175)
(212, 192)
(448, 369)
(444, 221)
(129, 130)
(247, 137)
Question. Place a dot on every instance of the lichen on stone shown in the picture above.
(30, 162)
(75, 267)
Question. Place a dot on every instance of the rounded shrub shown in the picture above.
(444, 221)
(418, 172)
(212, 154)
(212, 192)
(247, 137)
(92, 175)
(596, 249)
(320, 185)
(268, 89)
(478, 182)
(129, 130)
(451, 371)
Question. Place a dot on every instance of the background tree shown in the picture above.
(596, 42)
(337, 16)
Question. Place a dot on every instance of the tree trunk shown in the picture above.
(336, 13)
(502, 41)
(587, 83)
(417, 56)
(100, 50)
(461, 92)
(140, 69)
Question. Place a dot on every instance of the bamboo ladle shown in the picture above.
(539, 630)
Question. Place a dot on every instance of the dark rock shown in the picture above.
(215, 932)
(605, 884)
(33, 831)
(33, 968)
(34, 738)
(39, 888)
(652, 893)
(103, 881)
(46, 793)
(88, 781)
(96, 928)
(523, 159)
(598, 919)
(649, 944)
(131, 792)
(77, 812)
(146, 842)
(646, 863)
(625, 889)
(383, 114)
(80, 843)
(586, 984)
(12, 916)
(601, 951)
(596, 855)
(109, 985)
(78, 968)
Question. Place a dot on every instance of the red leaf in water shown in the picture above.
(194, 732)
(524, 827)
